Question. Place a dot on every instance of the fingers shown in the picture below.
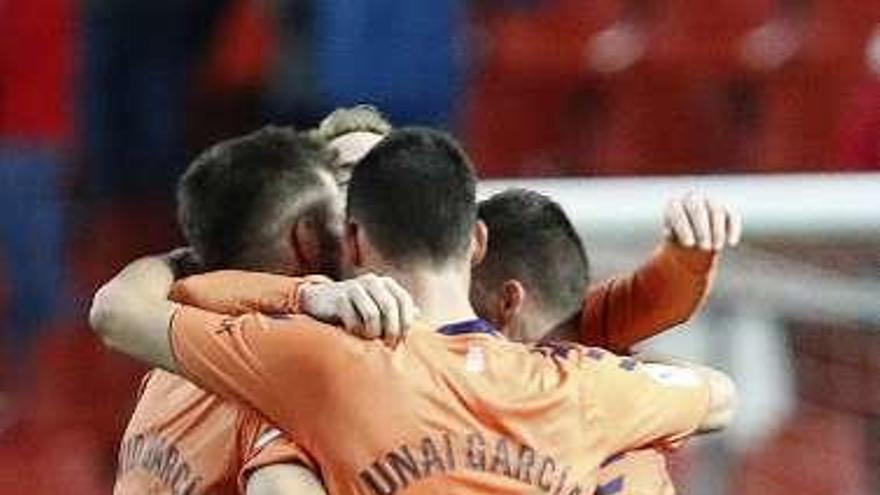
(370, 324)
(392, 311)
(698, 217)
(407, 307)
(389, 312)
(718, 215)
(700, 222)
(677, 224)
(369, 306)
(734, 228)
(349, 317)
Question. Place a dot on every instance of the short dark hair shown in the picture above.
(415, 195)
(532, 240)
(235, 197)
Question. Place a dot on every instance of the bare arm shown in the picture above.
(285, 479)
(131, 313)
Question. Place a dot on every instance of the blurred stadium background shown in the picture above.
(609, 105)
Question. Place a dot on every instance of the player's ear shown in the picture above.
(305, 243)
(479, 242)
(513, 296)
(352, 244)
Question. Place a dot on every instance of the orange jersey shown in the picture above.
(662, 293)
(637, 472)
(618, 312)
(183, 440)
(622, 311)
(464, 411)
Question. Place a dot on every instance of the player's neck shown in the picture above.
(569, 330)
(442, 296)
(533, 326)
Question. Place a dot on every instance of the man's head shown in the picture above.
(351, 132)
(266, 200)
(535, 270)
(411, 203)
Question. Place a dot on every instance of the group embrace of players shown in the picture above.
(370, 328)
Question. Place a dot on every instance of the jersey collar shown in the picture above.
(477, 325)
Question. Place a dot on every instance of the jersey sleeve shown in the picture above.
(282, 367)
(265, 445)
(639, 404)
(237, 292)
(662, 293)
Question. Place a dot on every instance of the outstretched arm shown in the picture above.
(651, 404)
(131, 312)
(368, 306)
(670, 287)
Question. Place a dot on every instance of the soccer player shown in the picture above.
(441, 411)
(353, 131)
(530, 285)
(664, 291)
(251, 202)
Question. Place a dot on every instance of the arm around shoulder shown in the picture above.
(722, 390)
(131, 314)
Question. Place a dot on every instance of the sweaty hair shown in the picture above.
(532, 240)
(236, 197)
(414, 194)
(345, 120)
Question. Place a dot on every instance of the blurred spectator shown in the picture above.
(291, 94)
(610, 87)
(810, 53)
(400, 55)
(663, 86)
(136, 76)
(36, 62)
(860, 133)
(530, 84)
(229, 87)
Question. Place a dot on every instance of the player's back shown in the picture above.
(181, 440)
(452, 410)
(463, 410)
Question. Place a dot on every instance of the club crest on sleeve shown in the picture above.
(227, 325)
(671, 375)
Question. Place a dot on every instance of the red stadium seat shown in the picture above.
(532, 69)
(675, 110)
(802, 103)
(69, 425)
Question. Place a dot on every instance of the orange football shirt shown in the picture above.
(636, 472)
(660, 294)
(618, 312)
(183, 440)
(459, 410)
(622, 311)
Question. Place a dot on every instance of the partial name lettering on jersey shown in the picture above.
(449, 452)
